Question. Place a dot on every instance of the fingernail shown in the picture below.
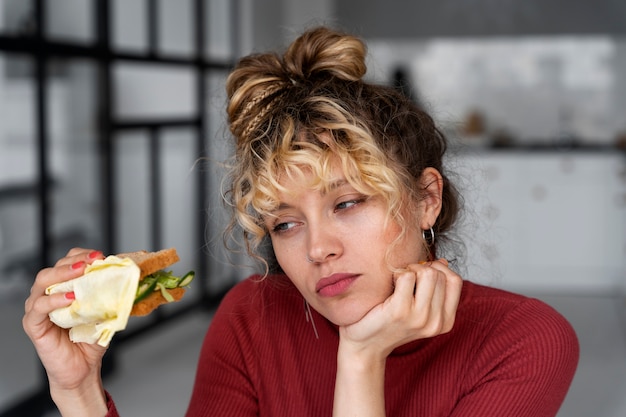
(444, 261)
(70, 295)
(78, 265)
(95, 254)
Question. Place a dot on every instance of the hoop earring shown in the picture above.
(429, 236)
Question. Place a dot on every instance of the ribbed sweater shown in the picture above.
(507, 355)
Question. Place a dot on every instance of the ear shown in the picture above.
(429, 206)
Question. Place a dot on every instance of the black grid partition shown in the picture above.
(37, 47)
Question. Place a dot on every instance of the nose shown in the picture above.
(323, 243)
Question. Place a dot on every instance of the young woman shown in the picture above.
(356, 314)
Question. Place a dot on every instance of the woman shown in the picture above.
(359, 315)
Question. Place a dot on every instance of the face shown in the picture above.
(346, 235)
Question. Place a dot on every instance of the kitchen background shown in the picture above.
(122, 151)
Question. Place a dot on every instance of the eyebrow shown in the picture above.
(334, 185)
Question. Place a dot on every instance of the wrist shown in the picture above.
(89, 399)
(359, 383)
(360, 361)
(362, 353)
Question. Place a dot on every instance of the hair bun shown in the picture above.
(254, 79)
(321, 52)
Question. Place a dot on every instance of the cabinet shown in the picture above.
(546, 221)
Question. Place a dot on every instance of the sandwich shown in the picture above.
(115, 288)
(156, 285)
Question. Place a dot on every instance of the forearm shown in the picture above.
(87, 400)
(359, 386)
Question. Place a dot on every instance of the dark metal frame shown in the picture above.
(42, 50)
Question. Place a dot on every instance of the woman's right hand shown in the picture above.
(73, 369)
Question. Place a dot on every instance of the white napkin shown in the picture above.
(104, 299)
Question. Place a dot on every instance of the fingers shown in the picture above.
(80, 254)
(36, 321)
(71, 266)
(37, 306)
(454, 286)
(429, 294)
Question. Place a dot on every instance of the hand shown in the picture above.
(70, 366)
(423, 305)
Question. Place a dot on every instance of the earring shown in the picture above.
(429, 236)
(309, 316)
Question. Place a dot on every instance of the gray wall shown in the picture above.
(276, 22)
(408, 19)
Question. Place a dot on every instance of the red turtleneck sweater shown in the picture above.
(507, 355)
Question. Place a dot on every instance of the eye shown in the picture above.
(283, 227)
(349, 203)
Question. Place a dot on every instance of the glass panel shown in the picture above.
(19, 227)
(70, 20)
(176, 27)
(219, 147)
(18, 161)
(74, 159)
(149, 91)
(179, 209)
(132, 192)
(129, 26)
(17, 17)
(219, 30)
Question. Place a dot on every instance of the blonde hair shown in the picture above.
(309, 107)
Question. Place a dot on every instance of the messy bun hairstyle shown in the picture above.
(300, 111)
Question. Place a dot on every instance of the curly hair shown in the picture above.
(301, 111)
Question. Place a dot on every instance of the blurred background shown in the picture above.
(112, 134)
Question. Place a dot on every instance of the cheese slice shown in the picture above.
(104, 299)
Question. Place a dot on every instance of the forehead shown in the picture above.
(323, 178)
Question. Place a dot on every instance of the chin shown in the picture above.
(346, 317)
(349, 310)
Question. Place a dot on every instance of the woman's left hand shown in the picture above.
(423, 304)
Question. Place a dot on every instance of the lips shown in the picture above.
(335, 284)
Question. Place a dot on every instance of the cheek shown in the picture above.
(407, 250)
(288, 257)
(294, 267)
(278, 253)
(392, 232)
